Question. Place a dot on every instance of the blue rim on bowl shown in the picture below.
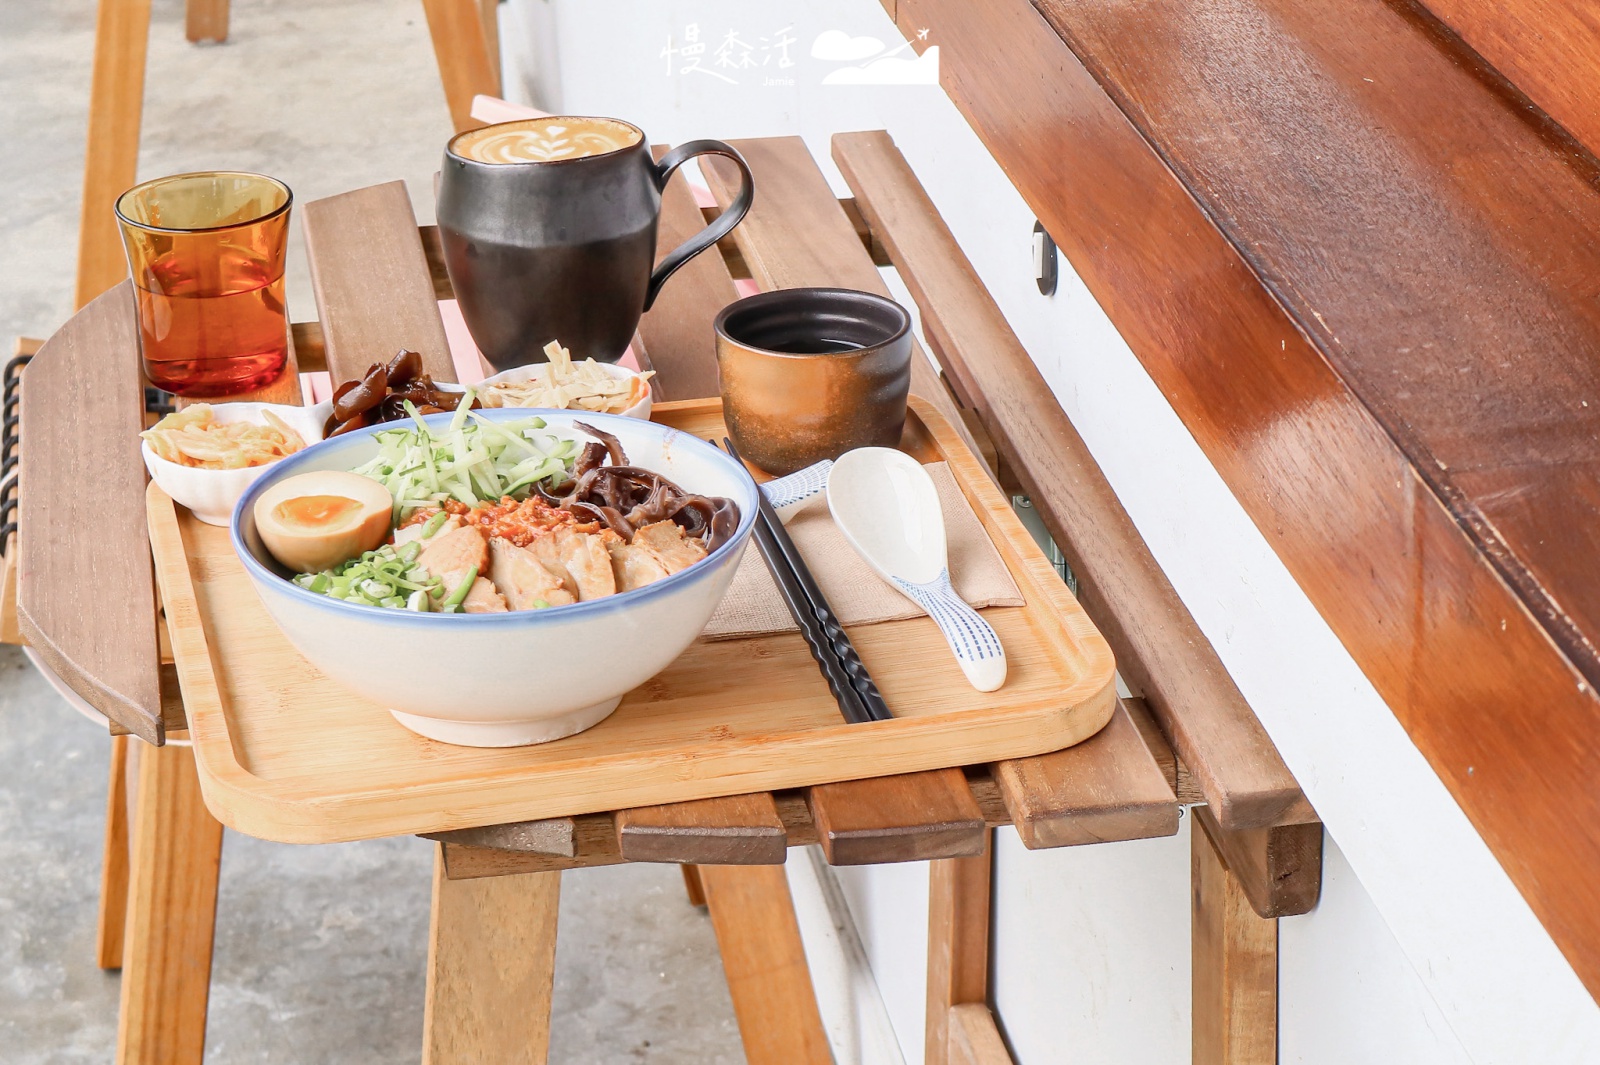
(288, 466)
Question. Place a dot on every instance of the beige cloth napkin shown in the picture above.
(858, 595)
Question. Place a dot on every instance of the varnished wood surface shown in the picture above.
(86, 604)
(1373, 305)
(261, 716)
(1234, 966)
(491, 968)
(172, 907)
(1159, 648)
(373, 286)
(1548, 49)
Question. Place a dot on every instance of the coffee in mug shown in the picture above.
(543, 140)
(549, 232)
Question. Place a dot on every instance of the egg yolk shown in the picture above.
(316, 512)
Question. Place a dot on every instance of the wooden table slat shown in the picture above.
(373, 285)
(737, 830)
(677, 331)
(1092, 793)
(907, 818)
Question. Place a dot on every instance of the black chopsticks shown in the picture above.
(836, 656)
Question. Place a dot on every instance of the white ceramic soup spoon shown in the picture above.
(887, 507)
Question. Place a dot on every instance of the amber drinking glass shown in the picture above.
(206, 253)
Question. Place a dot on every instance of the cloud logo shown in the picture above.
(891, 70)
(839, 47)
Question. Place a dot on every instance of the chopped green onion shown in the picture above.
(461, 591)
(387, 577)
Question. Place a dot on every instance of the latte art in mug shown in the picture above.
(545, 140)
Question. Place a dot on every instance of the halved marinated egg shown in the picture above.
(313, 521)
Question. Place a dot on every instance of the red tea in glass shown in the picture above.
(206, 252)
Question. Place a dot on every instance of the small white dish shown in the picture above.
(887, 507)
(211, 494)
(519, 374)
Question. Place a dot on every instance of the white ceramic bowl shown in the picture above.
(211, 494)
(502, 680)
(518, 374)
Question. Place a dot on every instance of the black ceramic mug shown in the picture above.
(549, 232)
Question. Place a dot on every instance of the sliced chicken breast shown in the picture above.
(451, 555)
(672, 549)
(483, 599)
(518, 575)
(634, 565)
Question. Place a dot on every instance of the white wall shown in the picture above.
(1422, 951)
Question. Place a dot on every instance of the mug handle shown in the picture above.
(716, 230)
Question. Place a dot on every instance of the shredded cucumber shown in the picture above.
(471, 459)
(387, 577)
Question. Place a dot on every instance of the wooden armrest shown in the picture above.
(1159, 648)
(87, 605)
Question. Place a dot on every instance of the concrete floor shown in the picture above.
(319, 950)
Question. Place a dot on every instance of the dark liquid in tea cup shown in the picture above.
(816, 346)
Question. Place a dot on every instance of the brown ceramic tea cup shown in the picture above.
(810, 373)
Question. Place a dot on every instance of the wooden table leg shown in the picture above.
(114, 861)
(765, 965)
(172, 909)
(1235, 958)
(116, 106)
(491, 967)
(958, 946)
(462, 49)
(205, 20)
(692, 886)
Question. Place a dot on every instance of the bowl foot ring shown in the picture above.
(507, 733)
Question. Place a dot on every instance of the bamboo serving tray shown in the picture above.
(285, 754)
